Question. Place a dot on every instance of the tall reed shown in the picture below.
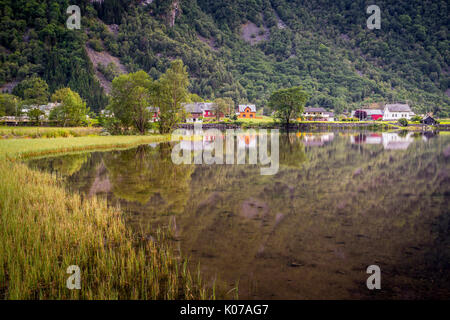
(44, 229)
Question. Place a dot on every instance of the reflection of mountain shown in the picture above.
(310, 231)
(101, 184)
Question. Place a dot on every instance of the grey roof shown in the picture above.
(329, 113)
(242, 107)
(313, 109)
(373, 111)
(197, 107)
(398, 107)
(193, 108)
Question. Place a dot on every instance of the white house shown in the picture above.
(45, 108)
(397, 111)
(312, 113)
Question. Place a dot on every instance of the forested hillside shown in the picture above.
(243, 49)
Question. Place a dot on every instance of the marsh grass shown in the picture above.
(46, 132)
(44, 229)
(25, 148)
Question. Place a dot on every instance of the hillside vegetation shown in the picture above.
(240, 49)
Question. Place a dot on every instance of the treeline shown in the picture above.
(324, 46)
(35, 41)
(30, 94)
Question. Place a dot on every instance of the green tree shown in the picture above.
(35, 115)
(403, 122)
(193, 97)
(222, 106)
(170, 92)
(131, 97)
(34, 91)
(288, 103)
(9, 105)
(72, 110)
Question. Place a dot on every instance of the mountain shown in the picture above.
(239, 49)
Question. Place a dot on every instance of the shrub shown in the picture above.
(416, 119)
(96, 45)
(403, 122)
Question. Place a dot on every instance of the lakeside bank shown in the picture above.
(45, 229)
(317, 126)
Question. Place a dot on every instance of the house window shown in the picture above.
(251, 116)
(243, 115)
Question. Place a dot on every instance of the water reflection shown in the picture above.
(390, 140)
(311, 230)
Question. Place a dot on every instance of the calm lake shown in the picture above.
(340, 202)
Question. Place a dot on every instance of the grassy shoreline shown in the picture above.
(44, 229)
(46, 132)
(14, 149)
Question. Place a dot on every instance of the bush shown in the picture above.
(96, 45)
(403, 122)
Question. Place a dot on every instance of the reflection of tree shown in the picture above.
(292, 151)
(64, 166)
(144, 174)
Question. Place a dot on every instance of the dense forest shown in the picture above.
(242, 49)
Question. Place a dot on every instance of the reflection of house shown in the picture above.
(428, 135)
(206, 142)
(246, 141)
(390, 140)
(395, 141)
(319, 114)
(190, 145)
(373, 138)
(397, 111)
(317, 139)
(247, 111)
